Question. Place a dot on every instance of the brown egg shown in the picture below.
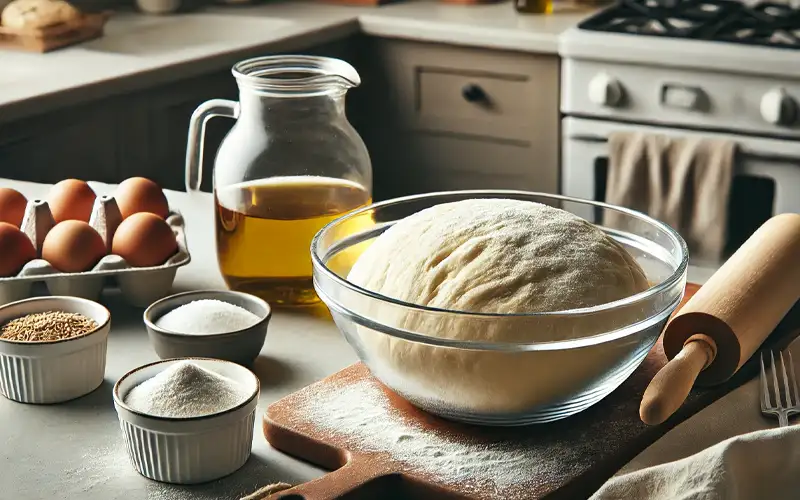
(71, 199)
(16, 250)
(138, 194)
(143, 240)
(73, 246)
(12, 206)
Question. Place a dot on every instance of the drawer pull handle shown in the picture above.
(473, 93)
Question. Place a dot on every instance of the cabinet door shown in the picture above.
(156, 147)
(78, 142)
(464, 118)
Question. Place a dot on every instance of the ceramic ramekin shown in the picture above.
(56, 371)
(188, 450)
(240, 346)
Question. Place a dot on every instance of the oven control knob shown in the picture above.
(779, 108)
(605, 90)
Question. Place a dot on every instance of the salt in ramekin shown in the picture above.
(47, 372)
(240, 346)
(188, 450)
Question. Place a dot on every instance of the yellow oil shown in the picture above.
(534, 6)
(264, 230)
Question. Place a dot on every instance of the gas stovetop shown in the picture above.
(764, 24)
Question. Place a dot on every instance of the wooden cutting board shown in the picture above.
(567, 459)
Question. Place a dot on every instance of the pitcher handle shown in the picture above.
(197, 133)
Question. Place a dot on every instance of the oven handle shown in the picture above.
(746, 153)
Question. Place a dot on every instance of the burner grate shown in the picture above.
(765, 24)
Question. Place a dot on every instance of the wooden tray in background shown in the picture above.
(579, 453)
(86, 27)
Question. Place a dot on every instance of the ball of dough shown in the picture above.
(495, 256)
(35, 14)
(498, 256)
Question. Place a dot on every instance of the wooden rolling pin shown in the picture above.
(729, 317)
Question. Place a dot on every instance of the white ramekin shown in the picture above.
(56, 371)
(188, 450)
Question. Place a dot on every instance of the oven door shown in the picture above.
(766, 182)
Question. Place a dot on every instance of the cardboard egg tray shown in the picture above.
(139, 285)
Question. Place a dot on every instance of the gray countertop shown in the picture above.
(75, 450)
(138, 51)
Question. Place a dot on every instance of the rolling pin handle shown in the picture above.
(671, 385)
(708, 343)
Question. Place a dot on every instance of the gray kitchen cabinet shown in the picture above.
(139, 134)
(77, 142)
(451, 117)
(156, 144)
(434, 117)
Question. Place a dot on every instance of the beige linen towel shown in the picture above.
(727, 451)
(684, 182)
(756, 466)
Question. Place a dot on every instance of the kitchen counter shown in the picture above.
(75, 450)
(139, 51)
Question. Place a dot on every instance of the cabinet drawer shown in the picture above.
(474, 104)
(473, 92)
(498, 165)
(436, 162)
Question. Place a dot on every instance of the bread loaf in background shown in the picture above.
(36, 14)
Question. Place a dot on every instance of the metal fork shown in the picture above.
(771, 401)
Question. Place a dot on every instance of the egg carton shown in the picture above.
(140, 286)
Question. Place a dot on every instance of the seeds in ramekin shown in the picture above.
(47, 327)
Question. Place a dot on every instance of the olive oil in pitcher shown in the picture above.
(264, 230)
(291, 164)
(534, 6)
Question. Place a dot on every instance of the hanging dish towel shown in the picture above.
(684, 182)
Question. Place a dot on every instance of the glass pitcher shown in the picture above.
(291, 164)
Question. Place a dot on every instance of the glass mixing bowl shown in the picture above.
(491, 383)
